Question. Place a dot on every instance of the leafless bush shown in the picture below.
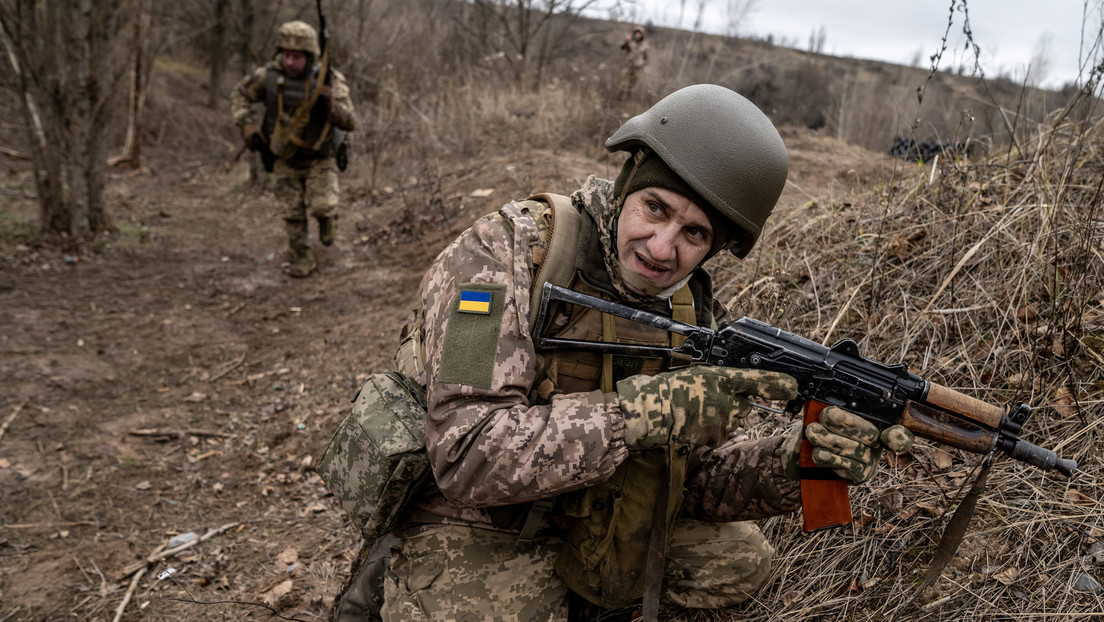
(986, 277)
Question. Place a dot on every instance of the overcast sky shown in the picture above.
(1008, 32)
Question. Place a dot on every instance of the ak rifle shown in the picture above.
(883, 394)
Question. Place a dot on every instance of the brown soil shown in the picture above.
(170, 378)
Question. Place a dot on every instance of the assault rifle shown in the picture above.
(319, 109)
(258, 145)
(883, 394)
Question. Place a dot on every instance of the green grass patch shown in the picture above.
(17, 227)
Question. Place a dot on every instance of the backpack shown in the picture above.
(376, 459)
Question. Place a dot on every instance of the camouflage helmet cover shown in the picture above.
(299, 36)
(722, 145)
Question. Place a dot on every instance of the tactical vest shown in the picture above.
(283, 95)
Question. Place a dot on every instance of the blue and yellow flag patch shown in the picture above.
(472, 301)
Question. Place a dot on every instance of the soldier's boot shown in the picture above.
(361, 597)
(327, 228)
(302, 259)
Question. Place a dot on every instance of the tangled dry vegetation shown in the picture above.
(986, 277)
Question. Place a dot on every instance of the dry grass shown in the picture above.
(986, 277)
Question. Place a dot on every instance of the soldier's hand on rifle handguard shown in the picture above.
(844, 442)
(697, 405)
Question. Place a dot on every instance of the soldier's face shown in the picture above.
(295, 62)
(662, 236)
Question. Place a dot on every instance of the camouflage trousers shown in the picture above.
(306, 191)
(465, 574)
(626, 83)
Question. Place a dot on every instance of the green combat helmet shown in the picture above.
(299, 36)
(722, 145)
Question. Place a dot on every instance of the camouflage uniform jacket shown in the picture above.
(255, 88)
(490, 446)
(636, 53)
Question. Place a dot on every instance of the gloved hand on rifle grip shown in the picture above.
(846, 443)
(698, 405)
(250, 133)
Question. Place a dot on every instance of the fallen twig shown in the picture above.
(129, 594)
(11, 417)
(175, 433)
(139, 569)
(160, 554)
(13, 153)
(229, 368)
(52, 525)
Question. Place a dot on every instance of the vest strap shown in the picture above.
(609, 335)
(682, 310)
(557, 265)
(534, 519)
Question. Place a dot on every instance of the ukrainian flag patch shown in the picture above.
(472, 301)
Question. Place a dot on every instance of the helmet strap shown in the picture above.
(638, 158)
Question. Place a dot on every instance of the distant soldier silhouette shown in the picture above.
(301, 145)
(632, 68)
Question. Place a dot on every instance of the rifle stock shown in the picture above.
(883, 394)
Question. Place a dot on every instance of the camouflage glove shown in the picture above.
(699, 405)
(845, 443)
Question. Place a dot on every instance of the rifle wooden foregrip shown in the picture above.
(971, 408)
(824, 500)
(923, 420)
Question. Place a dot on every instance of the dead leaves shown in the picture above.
(1077, 497)
(901, 244)
(275, 594)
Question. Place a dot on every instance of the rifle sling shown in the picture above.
(955, 530)
(657, 546)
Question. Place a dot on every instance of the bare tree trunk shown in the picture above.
(139, 73)
(216, 60)
(63, 53)
(364, 8)
(245, 35)
(47, 170)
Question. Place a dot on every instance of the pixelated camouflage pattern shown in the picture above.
(850, 445)
(715, 565)
(492, 447)
(699, 405)
(740, 480)
(376, 456)
(791, 451)
(306, 191)
(897, 438)
(459, 573)
(297, 35)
